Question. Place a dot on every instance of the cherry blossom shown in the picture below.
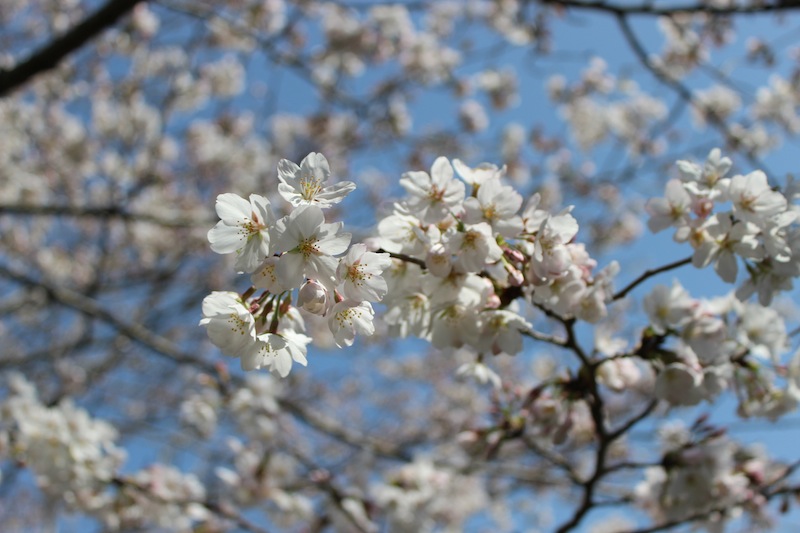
(433, 197)
(243, 229)
(361, 273)
(305, 184)
(310, 245)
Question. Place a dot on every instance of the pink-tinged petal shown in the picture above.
(354, 253)
(226, 239)
(232, 208)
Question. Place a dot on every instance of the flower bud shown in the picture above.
(513, 255)
(313, 297)
(515, 277)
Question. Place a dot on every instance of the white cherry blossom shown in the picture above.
(669, 307)
(310, 245)
(479, 175)
(672, 210)
(496, 204)
(229, 324)
(551, 257)
(243, 229)
(306, 184)
(724, 240)
(433, 197)
(475, 247)
(349, 318)
(753, 199)
(275, 352)
(361, 274)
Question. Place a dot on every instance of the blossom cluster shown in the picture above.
(300, 251)
(76, 461)
(705, 473)
(459, 261)
(476, 252)
(760, 228)
(719, 344)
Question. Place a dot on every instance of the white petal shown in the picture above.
(226, 239)
(232, 208)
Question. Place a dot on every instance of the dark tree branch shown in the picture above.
(102, 212)
(649, 8)
(649, 274)
(52, 53)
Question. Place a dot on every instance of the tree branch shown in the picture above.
(649, 274)
(101, 212)
(166, 348)
(52, 53)
(648, 8)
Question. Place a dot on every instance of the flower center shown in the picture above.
(310, 187)
(237, 324)
(308, 247)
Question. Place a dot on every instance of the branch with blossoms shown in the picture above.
(463, 269)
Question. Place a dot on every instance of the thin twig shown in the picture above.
(649, 274)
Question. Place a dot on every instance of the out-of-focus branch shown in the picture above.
(90, 307)
(52, 53)
(168, 349)
(221, 510)
(649, 8)
(101, 212)
(684, 92)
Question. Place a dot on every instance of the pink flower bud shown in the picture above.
(313, 297)
(515, 277)
(513, 255)
(493, 301)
